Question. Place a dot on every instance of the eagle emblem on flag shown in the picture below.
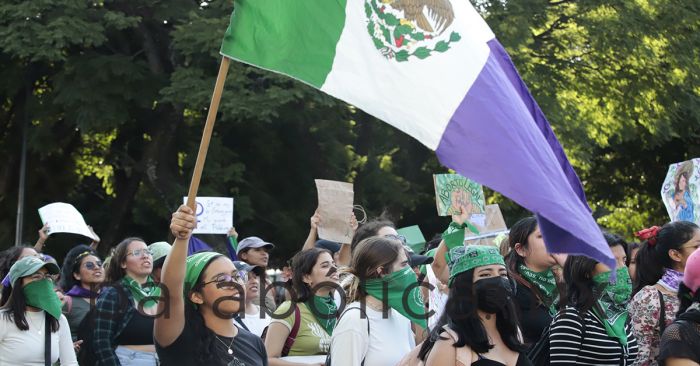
(401, 29)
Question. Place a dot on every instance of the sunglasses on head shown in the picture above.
(400, 238)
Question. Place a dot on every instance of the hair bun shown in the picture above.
(648, 234)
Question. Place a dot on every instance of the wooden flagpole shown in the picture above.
(206, 134)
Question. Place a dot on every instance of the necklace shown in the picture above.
(229, 350)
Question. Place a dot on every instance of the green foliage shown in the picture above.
(116, 92)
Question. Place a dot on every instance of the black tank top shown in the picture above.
(522, 361)
(138, 332)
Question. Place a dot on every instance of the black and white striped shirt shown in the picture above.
(570, 346)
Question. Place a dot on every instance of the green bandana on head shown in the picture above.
(40, 294)
(324, 310)
(193, 269)
(469, 257)
(410, 304)
(613, 301)
(545, 282)
(146, 294)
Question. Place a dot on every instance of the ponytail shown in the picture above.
(686, 297)
(653, 258)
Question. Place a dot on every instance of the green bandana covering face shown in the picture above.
(545, 282)
(193, 268)
(469, 257)
(613, 301)
(146, 294)
(40, 294)
(410, 304)
(324, 310)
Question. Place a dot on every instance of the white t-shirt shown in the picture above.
(18, 347)
(255, 324)
(389, 339)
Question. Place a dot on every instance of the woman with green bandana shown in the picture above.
(205, 292)
(303, 326)
(123, 331)
(31, 303)
(375, 327)
(530, 265)
(593, 328)
(479, 325)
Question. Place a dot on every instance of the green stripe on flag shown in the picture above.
(293, 37)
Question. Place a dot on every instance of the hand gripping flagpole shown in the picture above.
(206, 134)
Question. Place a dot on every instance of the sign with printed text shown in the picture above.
(64, 218)
(680, 191)
(214, 214)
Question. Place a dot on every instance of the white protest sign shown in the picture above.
(64, 218)
(214, 214)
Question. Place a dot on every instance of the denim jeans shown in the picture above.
(128, 357)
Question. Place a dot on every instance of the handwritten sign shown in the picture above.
(453, 191)
(680, 191)
(214, 214)
(335, 201)
(495, 226)
(64, 218)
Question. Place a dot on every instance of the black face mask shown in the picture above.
(492, 294)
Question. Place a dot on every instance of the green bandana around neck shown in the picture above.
(469, 257)
(146, 294)
(40, 294)
(613, 302)
(194, 266)
(409, 304)
(324, 310)
(545, 282)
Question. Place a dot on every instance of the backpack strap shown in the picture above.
(328, 356)
(662, 313)
(47, 339)
(293, 333)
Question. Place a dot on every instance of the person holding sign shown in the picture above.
(204, 294)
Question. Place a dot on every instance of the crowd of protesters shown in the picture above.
(373, 301)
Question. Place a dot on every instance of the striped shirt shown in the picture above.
(570, 346)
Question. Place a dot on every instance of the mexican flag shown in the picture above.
(434, 70)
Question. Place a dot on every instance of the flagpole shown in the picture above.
(206, 134)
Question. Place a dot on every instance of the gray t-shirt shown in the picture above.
(78, 309)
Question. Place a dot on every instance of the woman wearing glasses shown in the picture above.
(33, 310)
(123, 331)
(81, 276)
(199, 330)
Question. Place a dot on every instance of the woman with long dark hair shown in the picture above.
(593, 328)
(82, 276)
(205, 292)
(304, 325)
(31, 309)
(680, 343)
(479, 325)
(660, 265)
(123, 326)
(530, 265)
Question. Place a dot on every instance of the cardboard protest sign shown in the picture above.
(414, 237)
(680, 191)
(64, 218)
(495, 225)
(453, 190)
(335, 202)
(214, 214)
